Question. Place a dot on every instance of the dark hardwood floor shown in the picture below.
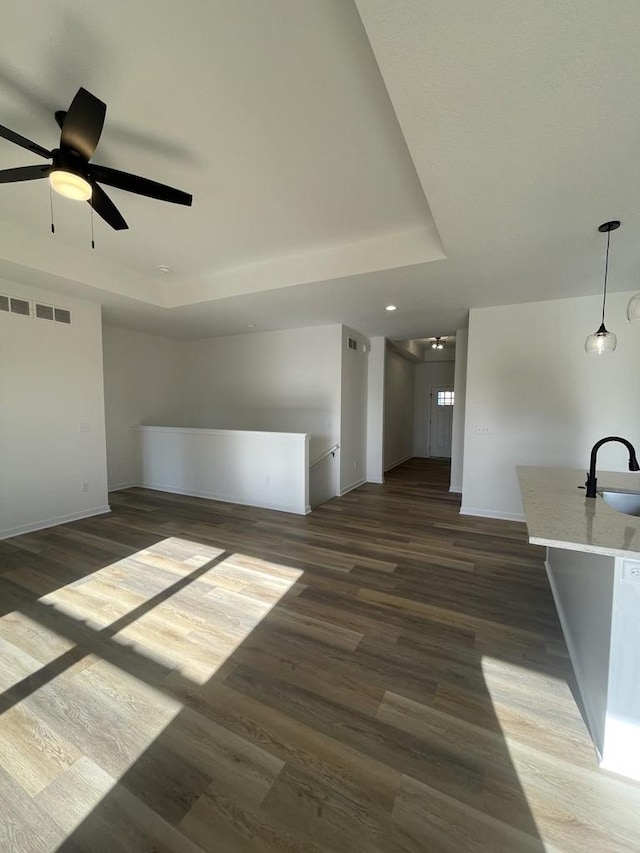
(381, 676)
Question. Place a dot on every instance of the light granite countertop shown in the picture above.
(559, 515)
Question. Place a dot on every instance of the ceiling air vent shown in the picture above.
(44, 312)
(353, 344)
(61, 315)
(20, 306)
(4, 303)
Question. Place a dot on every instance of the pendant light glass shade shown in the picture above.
(602, 340)
(633, 308)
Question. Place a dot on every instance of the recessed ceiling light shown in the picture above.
(165, 270)
(251, 325)
(390, 308)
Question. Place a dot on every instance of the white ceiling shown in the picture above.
(440, 156)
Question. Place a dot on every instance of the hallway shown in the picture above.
(381, 676)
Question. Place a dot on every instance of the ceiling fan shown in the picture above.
(72, 175)
(439, 341)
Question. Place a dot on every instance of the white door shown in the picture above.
(440, 421)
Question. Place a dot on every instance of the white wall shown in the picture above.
(50, 386)
(398, 409)
(353, 411)
(543, 400)
(286, 381)
(142, 385)
(459, 409)
(265, 469)
(375, 409)
(427, 375)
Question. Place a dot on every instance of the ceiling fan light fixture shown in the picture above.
(70, 185)
(437, 343)
(602, 340)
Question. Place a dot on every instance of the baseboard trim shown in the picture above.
(623, 748)
(455, 491)
(53, 522)
(376, 481)
(350, 488)
(228, 499)
(399, 462)
(490, 513)
(120, 486)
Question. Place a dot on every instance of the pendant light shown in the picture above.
(633, 308)
(602, 340)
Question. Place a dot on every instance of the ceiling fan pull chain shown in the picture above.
(53, 227)
(93, 242)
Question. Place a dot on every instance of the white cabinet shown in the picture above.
(598, 602)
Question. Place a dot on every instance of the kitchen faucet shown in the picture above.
(591, 476)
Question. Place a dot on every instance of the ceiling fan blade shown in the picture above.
(105, 208)
(23, 142)
(60, 117)
(138, 185)
(24, 173)
(83, 123)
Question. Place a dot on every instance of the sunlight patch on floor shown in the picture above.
(112, 592)
(551, 752)
(128, 638)
(531, 706)
(26, 646)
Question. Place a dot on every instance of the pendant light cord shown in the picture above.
(53, 227)
(606, 273)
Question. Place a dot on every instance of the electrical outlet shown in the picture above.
(482, 430)
(85, 426)
(631, 572)
(85, 486)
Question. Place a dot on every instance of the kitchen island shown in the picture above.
(593, 565)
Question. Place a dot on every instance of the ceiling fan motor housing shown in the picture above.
(70, 161)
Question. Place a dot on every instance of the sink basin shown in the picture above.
(626, 502)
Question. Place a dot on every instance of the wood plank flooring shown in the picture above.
(382, 676)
